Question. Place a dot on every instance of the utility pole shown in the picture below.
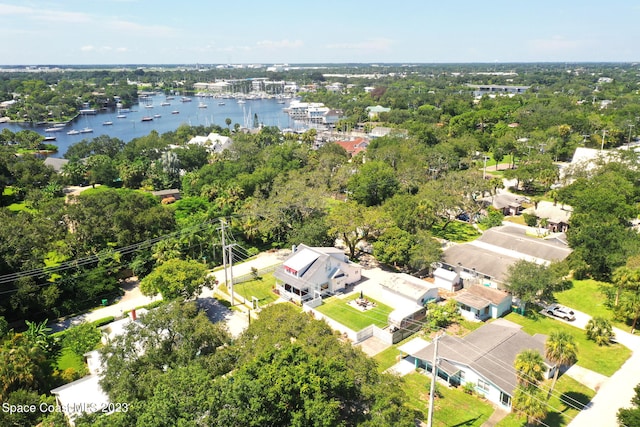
(224, 252)
(604, 133)
(434, 377)
(230, 259)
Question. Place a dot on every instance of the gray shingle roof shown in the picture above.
(490, 351)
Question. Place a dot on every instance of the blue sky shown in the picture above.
(285, 31)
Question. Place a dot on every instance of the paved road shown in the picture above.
(616, 391)
(237, 321)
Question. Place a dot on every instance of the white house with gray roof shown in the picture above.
(484, 358)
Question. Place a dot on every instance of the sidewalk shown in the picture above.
(614, 392)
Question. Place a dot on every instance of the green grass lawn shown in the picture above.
(260, 288)
(567, 397)
(456, 231)
(69, 359)
(585, 296)
(354, 319)
(454, 408)
(605, 360)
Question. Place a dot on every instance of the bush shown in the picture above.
(103, 321)
(494, 218)
(599, 330)
(469, 388)
(530, 220)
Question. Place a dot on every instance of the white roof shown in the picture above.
(414, 346)
(400, 313)
(83, 395)
(301, 259)
(445, 274)
(407, 285)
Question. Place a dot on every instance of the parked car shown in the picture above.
(561, 312)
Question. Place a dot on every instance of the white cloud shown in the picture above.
(133, 28)
(88, 48)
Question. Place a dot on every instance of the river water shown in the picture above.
(269, 112)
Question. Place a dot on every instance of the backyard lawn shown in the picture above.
(354, 319)
(454, 408)
(456, 231)
(605, 360)
(585, 296)
(260, 288)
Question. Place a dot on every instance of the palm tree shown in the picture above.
(530, 368)
(528, 398)
(599, 330)
(530, 401)
(561, 349)
(625, 278)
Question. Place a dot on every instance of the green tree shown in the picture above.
(175, 279)
(599, 330)
(530, 368)
(353, 223)
(81, 338)
(528, 398)
(373, 183)
(628, 417)
(531, 282)
(561, 349)
(531, 403)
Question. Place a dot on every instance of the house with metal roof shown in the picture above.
(311, 271)
(484, 358)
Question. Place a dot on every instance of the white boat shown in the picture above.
(86, 130)
(164, 104)
(54, 129)
(107, 123)
(241, 101)
(202, 105)
(220, 103)
(175, 112)
(73, 132)
(157, 116)
(147, 119)
(121, 116)
(185, 99)
(148, 106)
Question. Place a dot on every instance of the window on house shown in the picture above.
(483, 385)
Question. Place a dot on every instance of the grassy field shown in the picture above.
(456, 231)
(585, 296)
(605, 360)
(566, 400)
(454, 408)
(69, 359)
(352, 318)
(260, 288)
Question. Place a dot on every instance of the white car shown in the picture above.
(561, 312)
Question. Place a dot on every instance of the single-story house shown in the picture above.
(86, 395)
(311, 271)
(486, 260)
(409, 296)
(507, 203)
(56, 163)
(482, 302)
(484, 358)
